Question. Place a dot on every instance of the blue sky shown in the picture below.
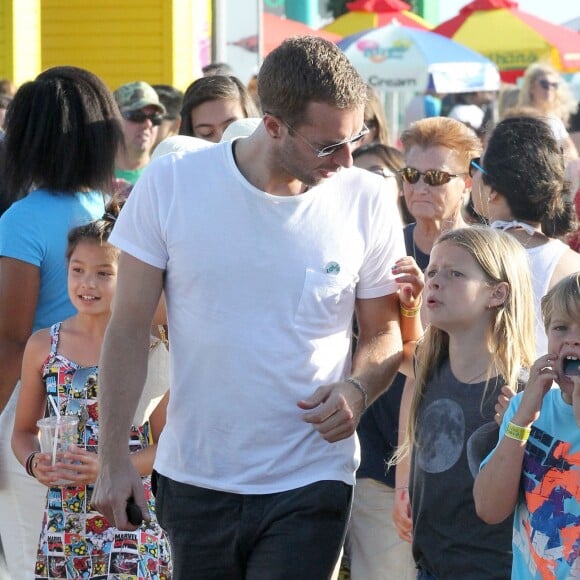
(556, 11)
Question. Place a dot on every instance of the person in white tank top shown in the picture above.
(519, 186)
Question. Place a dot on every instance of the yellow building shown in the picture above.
(157, 41)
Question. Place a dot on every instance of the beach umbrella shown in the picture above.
(365, 14)
(574, 24)
(400, 58)
(276, 29)
(513, 39)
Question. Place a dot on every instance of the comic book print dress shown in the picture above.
(75, 541)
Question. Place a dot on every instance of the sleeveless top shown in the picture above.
(75, 540)
(543, 261)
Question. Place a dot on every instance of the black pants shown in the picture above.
(294, 535)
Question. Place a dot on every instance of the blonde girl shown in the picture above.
(479, 336)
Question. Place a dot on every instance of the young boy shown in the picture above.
(535, 468)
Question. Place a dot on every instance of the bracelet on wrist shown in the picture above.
(28, 464)
(518, 433)
(361, 388)
(410, 312)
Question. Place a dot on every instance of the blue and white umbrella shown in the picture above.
(400, 58)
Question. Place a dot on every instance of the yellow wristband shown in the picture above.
(409, 312)
(518, 433)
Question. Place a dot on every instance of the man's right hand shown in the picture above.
(114, 486)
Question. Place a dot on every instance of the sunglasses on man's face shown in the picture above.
(140, 117)
(546, 85)
(432, 177)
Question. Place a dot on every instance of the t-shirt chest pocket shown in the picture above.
(327, 301)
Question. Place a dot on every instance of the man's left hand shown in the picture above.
(335, 410)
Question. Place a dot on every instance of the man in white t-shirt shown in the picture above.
(264, 249)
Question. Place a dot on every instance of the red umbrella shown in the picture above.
(276, 29)
(367, 14)
(511, 38)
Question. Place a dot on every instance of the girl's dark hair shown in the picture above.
(524, 163)
(97, 231)
(214, 88)
(63, 131)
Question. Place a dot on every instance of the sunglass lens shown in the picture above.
(140, 117)
(410, 175)
(435, 178)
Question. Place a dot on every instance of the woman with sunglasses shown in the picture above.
(436, 180)
(519, 186)
(544, 90)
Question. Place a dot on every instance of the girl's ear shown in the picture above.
(499, 294)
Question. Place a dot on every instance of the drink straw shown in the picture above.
(55, 440)
(57, 428)
(54, 406)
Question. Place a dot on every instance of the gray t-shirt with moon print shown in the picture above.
(455, 432)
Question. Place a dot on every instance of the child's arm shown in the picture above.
(143, 460)
(402, 505)
(410, 279)
(30, 408)
(86, 463)
(497, 485)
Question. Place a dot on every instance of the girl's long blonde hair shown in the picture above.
(511, 336)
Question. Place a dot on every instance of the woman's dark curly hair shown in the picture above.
(524, 163)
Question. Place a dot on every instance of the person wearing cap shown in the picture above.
(172, 99)
(142, 113)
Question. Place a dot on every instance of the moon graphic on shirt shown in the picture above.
(442, 435)
(480, 445)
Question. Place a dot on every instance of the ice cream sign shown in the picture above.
(376, 53)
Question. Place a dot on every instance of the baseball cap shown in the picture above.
(241, 128)
(135, 96)
(471, 115)
(179, 143)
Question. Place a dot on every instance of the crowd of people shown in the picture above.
(296, 345)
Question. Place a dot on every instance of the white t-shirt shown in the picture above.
(260, 293)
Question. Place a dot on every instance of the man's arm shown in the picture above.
(122, 373)
(380, 348)
(335, 410)
(19, 287)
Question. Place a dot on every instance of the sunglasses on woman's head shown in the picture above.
(548, 85)
(140, 117)
(432, 177)
(474, 164)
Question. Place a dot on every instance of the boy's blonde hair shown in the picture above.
(564, 299)
(511, 337)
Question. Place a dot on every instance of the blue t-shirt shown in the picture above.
(546, 526)
(34, 230)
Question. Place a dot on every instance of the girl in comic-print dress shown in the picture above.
(77, 542)
(59, 376)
